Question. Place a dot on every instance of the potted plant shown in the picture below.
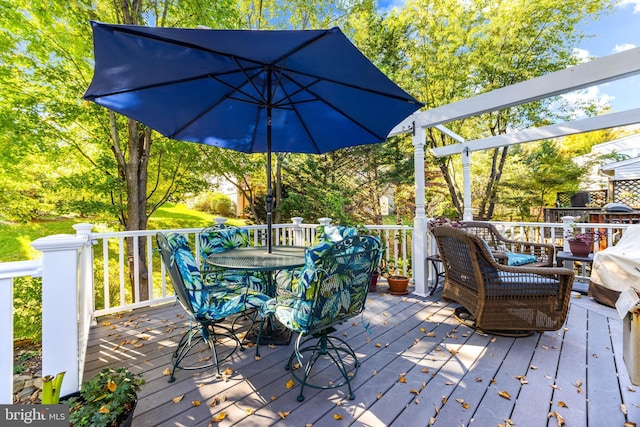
(107, 400)
(581, 242)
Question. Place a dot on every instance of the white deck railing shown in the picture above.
(85, 275)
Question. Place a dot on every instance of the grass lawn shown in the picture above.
(16, 238)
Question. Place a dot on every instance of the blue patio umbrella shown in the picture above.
(301, 91)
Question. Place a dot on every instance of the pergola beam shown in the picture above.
(607, 121)
(598, 71)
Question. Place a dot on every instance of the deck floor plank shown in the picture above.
(446, 365)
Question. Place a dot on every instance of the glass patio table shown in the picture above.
(258, 259)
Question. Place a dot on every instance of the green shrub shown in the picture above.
(215, 203)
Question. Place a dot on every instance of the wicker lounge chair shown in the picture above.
(511, 252)
(499, 297)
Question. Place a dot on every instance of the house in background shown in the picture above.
(609, 182)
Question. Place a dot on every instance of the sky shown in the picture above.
(611, 34)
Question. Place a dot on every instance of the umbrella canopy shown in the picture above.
(301, 91)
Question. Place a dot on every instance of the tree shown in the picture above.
(458, 49)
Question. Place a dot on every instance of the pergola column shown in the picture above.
(420, 272)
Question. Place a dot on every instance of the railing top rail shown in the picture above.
(21, 268)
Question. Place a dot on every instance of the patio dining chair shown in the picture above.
(332, 288)
(507, 300)
(212, 309)
(221, 238)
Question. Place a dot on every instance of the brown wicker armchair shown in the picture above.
(500, 245)
(500, 297)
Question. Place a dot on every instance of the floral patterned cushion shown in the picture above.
(332, 285)
(222, 238)
(334, 233)
(210, 303)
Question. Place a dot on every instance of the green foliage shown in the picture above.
(27, 308)
(214, 203)
(106, 397)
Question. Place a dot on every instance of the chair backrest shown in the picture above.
(334, 233)
(487, 232)
(183, 270)
(336, 278)
(466, 257)
(220, 238)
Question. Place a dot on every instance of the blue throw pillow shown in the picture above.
(519, 259)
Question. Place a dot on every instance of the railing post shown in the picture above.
(219, 220)
(567, 227)
(6, 340)
(324, 221)
(60, 347)
(298, 232)
(85, 290)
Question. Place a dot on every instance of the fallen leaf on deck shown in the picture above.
(354, 324)
(250, 411)
(430, 334)
(195, 402)
(504, 394)
(562, 404)
(631, 389)
(449, 383)
(461, 401)
(402, 379)
(595, 355)
(219, 417)
(533, 367)
(166, 372)
(478, 379)
(378, 345)
(379, 395)
(337, 416)
(558, 417)
(425, 370)
(423, 330)
(555, 387)
(256, 357)
(215, 401)
(283, 414)
(414, 391)
(177, 398)
(465, 405)
(623, 408)
(453, 352)
(273, 397)
(106, 323)
(629, 424)
(228, 371)
(494, 339)
(444, 400)
(290, 383)
(432, 421)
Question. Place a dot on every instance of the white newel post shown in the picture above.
(60, 349)
(298, 232)
(6, 338)
(567, 227)
(419, 238)
(324, 221)
(219, 220)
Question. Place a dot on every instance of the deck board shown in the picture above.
(453, 374)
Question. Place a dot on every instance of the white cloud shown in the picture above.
(634, 3)
(622, 47)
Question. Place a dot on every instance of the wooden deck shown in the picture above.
(420, 367)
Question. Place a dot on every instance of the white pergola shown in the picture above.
(598, 71)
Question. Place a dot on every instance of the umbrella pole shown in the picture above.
(269, 198)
